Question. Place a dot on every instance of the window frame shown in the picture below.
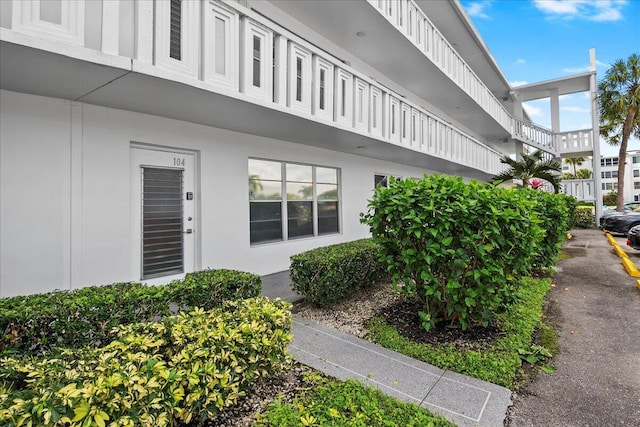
(284, 202)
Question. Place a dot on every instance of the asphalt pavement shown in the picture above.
(596, 308)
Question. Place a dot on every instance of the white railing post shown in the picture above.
(110, 27)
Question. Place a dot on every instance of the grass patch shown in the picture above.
(548, 338)
(348, 403)
(500, 362)
(563, 255)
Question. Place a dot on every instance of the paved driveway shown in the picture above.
(597, 382)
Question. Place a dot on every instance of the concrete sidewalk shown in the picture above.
(464, 400)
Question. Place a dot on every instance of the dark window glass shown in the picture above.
(265, 221)
(175, 34)
(322, 83)
(299, 79)
(343, 110)
(256, 61)
(327, 217)
(300, 219)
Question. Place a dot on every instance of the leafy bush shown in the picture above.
(584, 217)
(209, 288)
(348, 404)
(332, 273)
(182, 368)
(457, 247)
(34, 324)
(500, 361)
(572, 206)
(552, 210)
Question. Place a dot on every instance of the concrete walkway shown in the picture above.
(463, 400)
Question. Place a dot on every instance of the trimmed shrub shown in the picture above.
(183, 368)
(585, 217)
(209, 288)
(34, 324)
(332, 273)
(457, 247)
(552, 210)
(572, 207)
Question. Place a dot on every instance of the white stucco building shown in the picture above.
(143, 139)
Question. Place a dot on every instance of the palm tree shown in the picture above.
(531, 166)
(619, 108)
(575, 161)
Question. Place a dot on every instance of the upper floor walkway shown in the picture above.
(276, 69)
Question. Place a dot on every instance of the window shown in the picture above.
(256, 60)
(636, 185)
(612, 161)
(384, 180)
(609, 174)
(636, 159)
(322, 88)
(291, 200)
(299, 79)
(609, 186)
(636, 173)
(175, 35)
(343, 97)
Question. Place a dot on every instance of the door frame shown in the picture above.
(136, 215)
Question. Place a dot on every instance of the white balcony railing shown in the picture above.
(577, 141)
(223, 47)
(534, 135)
(581, 189)
(411, 21)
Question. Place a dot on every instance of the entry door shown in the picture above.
(163, 223)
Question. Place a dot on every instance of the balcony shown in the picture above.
(577, 143)
(581, 189)
(248, 74)
(535, 136)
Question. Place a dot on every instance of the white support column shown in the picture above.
(110, 27)
(280, 75)
(144, 31)
(595, 124)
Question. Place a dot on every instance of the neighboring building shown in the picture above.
(609, 176)
(144, 139)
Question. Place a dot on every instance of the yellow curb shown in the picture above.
(619, 251)
(638, 283)
(611, 240)
(630, 267)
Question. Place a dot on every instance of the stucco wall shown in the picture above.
(66, 206)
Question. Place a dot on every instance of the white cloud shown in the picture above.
(591, 10)
(563, 97)
(520, 61)
(477, 9)
(532, 110)
(519, 83)
(574, 109)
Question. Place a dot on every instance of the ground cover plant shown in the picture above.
(181, 368)
(347, 403)
(493, 356)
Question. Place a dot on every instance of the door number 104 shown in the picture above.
(178, 161)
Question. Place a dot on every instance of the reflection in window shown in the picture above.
(304, 197)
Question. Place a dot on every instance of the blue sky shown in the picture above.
(535, 40)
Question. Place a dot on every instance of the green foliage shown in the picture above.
(552, 210)
(332, 273)
(572, 206)
(37, 323)
(610, 198)
(528, 167)
(457, 247)
(583, 174)
(348, 404)
(584, 217)
(183, 368)
(500, 361)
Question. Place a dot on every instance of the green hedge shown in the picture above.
(456, 246)
(34, 324)
(183, 368)
(332, 273)
(572, 210)
(552, 210)
(584, 217)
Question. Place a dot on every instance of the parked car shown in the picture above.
(628, 207)
(633, 237)
(620, 222)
